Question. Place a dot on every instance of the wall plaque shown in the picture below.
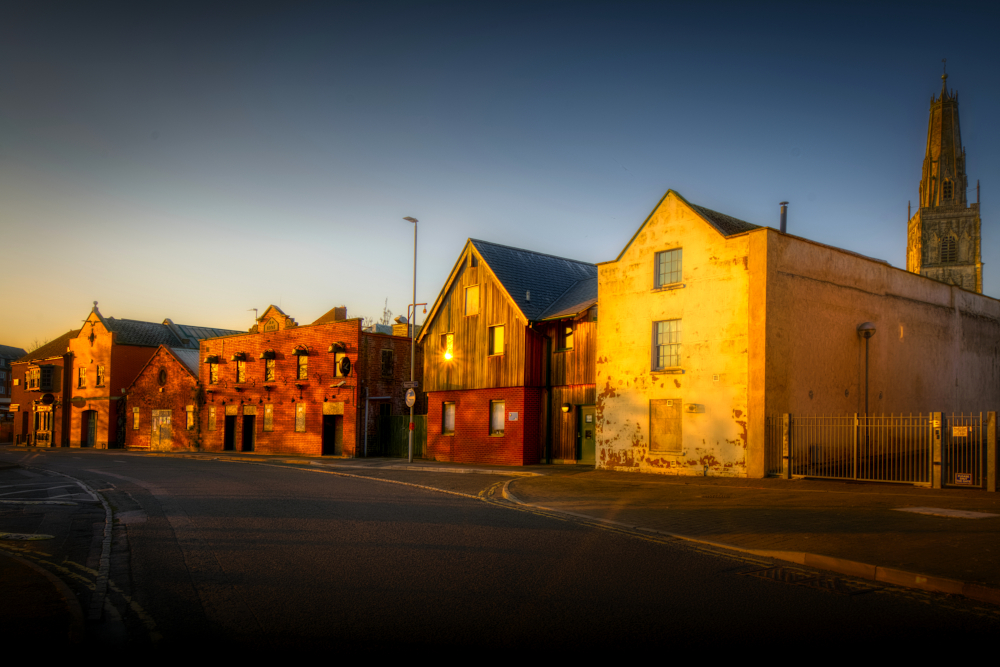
(331, 408)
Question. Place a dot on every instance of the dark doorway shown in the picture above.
(229, 434)
(588, 433)
(333, 435)
(248, 432)
(88, 428)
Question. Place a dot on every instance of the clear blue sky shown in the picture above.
(195, 160)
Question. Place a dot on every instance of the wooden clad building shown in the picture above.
(509, 359)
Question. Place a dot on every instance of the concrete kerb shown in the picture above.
(886, 575)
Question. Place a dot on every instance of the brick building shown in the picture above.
(163, 402)
(314, 389)
(80, 379)
(509, 359)
(8, 355)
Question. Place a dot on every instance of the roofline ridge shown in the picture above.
(561, 295)
(533, 252)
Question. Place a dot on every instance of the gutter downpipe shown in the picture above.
(370, 398)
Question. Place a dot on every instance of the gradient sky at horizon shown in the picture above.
(196, 160)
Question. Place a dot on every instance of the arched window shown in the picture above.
(949, 250)
(948, 190)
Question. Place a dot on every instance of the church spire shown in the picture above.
(943, 182)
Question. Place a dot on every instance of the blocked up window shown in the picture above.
(448, 418)
(668, 267)
(387, 363)
(496, 340)
(211, 418)
(665, 425)
(241, 371)
(300, 417)
(269, 370)
(135, 419)
(268, 418)
(213, 373)
(190, 417)
(498, 410)
(303, 367)
(666, 344)
(472, 300)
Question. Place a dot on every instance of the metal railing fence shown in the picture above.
(928, 449)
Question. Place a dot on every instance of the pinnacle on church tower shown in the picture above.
(943, 239)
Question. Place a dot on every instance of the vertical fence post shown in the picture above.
(936, 431)
(786, 446)
(857, 444)
(991, 452)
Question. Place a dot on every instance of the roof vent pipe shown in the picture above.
(784, 216)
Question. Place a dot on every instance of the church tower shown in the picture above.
(943, 235)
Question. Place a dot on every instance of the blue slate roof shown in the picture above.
(549, 279)
(151, 334)
(578, 298)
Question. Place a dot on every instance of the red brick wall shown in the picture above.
(23, 428)
(146, 394)
(472, 442)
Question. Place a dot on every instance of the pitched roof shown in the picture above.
(578, 298)
(151, 334)
(54, 348)
(726, 224)
(187, 357)
(11, 352)
(547, 277)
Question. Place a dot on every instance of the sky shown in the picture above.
(199, 160)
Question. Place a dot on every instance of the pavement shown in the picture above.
(945, 541)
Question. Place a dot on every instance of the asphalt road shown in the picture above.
(268, 556)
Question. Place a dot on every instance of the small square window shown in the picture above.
(448, 418)
(496, 340)
(472, 300)
(498, 411)
(668, 267)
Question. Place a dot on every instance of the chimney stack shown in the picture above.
(784, 216)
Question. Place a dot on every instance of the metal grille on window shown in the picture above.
(387, 365)
(667, 348)
(668, 267)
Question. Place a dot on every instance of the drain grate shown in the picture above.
(823, 582)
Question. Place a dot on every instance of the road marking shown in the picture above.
(939, 511)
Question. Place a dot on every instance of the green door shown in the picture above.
(587, 434)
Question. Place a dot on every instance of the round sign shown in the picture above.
(78, 401)
(48, 399)
(345, 366)
(411, 398)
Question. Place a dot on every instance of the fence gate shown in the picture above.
(882, 448)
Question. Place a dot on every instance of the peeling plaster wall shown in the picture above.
(714, 313)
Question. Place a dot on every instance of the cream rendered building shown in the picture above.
(709, 325)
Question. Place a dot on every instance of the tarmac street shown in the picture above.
(266, 552)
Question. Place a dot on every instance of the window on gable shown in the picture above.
(497, 413)
(387, 363)
(472, 300)
(668, 267)
(666, 344)
(496, 340)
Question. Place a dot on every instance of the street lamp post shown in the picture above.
(413, 331)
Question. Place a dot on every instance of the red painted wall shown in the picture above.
(472, 442)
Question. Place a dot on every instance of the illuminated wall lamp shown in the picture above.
(567, 407)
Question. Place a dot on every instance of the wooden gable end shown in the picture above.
(471, 365)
